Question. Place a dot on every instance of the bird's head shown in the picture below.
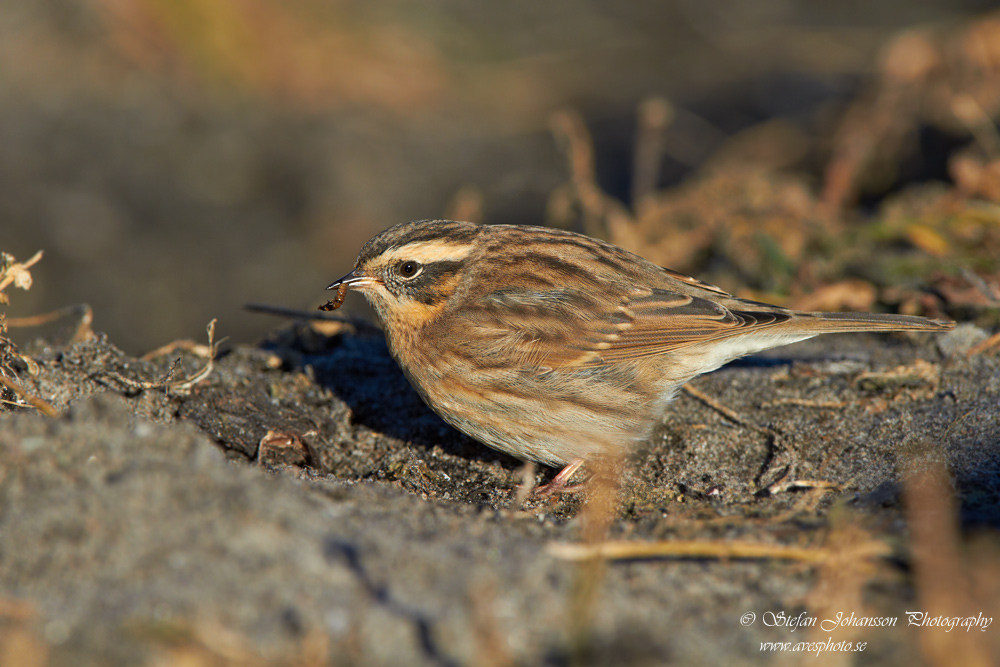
(408, 272)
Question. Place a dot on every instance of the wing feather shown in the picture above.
(661, 325)
(564, 329)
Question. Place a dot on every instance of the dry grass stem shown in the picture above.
(39, 404)
(186, 385)
(181, 387)
(596, 517)
(45, 318)
(805, 403)
(939, 566)
(990, 343)
(841, 581)
(728, 413)
(804, 484)
(599, 210)
(83, 332)
(711, 549)
(326, 324)
(655, 115)
(919, 374)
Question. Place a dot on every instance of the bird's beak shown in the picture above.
(344, 280)
(354, 279)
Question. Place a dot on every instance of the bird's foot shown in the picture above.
(560, 483)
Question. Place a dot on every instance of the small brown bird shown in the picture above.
(556, 347)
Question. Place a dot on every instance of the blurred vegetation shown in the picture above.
(179, 159)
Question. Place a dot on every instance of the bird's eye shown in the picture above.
(408, 269)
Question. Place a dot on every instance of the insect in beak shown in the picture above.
(352, 279)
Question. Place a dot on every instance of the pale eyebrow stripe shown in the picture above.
(427, 252)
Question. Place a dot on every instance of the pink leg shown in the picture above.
(560, 481)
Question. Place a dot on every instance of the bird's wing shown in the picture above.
(665, 321)
(560, 328)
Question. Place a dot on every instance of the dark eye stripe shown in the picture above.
(434, 284)
(439, 270)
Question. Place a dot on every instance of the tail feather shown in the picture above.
(835, 322)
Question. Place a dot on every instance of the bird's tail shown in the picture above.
(837, 322)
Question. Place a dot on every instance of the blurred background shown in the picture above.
(177, 159)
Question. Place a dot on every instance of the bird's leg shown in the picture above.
(527, 485)
(560, 481)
